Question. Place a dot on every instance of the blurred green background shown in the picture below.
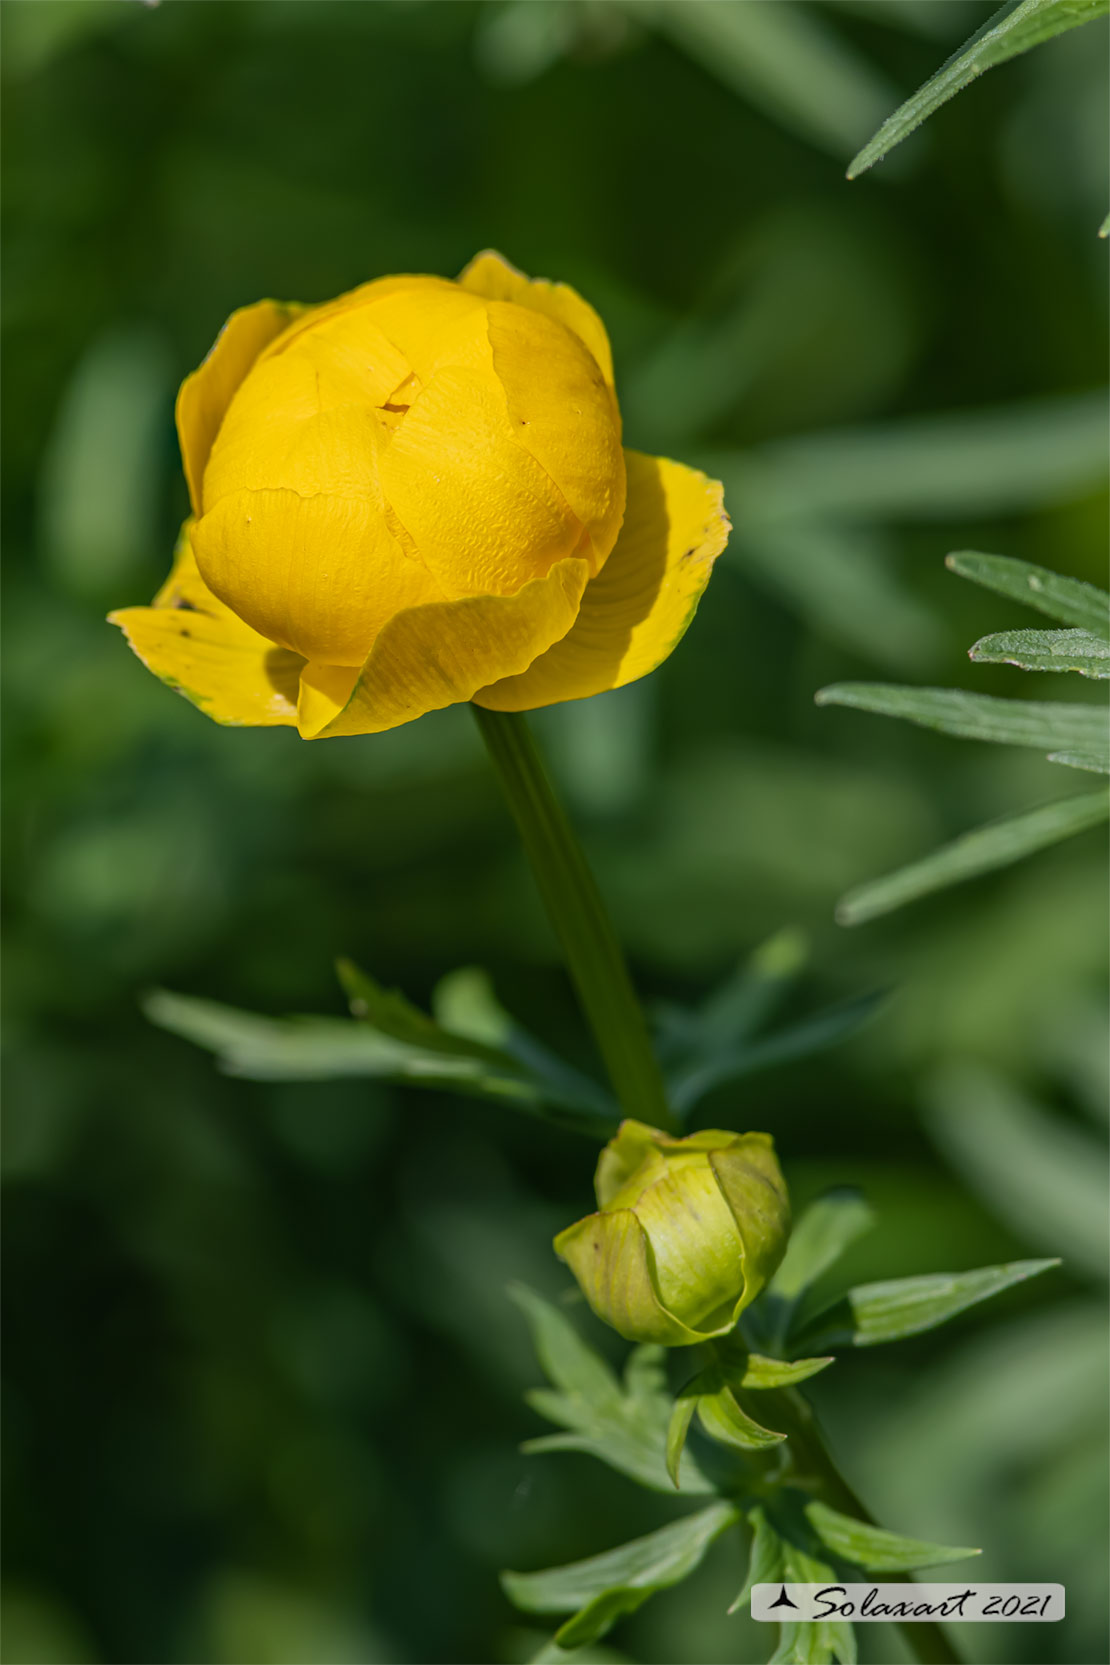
(263, 1385)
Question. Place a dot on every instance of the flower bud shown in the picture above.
(687, 1233)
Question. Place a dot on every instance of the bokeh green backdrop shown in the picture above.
(263, 1385)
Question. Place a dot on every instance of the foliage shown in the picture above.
(1074, 735)
(800, 1513)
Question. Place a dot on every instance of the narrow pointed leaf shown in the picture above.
(691, 1082)
(568, 1361)
(1014, 28)
(1067, 600)
(820, 1237)
(879, 1312)
(764, 1557)
(623, 1425)
(677, 1430)
(775, 1373)
(725, 1420)
(979, 851)
(1087, 761)
(599, 1590)
(388, 1011)
(1045, 726)
(1046, 650)
(874, 1549)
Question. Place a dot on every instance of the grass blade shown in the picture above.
(1015, 28)
(996, 845)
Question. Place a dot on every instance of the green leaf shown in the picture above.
(814, 1034)
(1087, 761)
(874, 1313)
(1015, 28)
(624, 1425)
(323, 1048)
(1067, 600)
(1104, 228)
(1044, 1175)
(874, 1549)
(598, 1591)
(812, 1644)
(820, 1237)
(775, 1373)
(764, 1558)
(677, 1430)
(389, 1012)
(1045, 726)
(725, 1420)
(980, 851)
(1046, 650)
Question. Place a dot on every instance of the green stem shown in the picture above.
(793, 1416)
(576, 910)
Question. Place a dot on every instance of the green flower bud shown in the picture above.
(687, 1233)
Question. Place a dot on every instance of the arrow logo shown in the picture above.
(784, 1601)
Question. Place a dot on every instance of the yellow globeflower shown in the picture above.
(687, 1232)
(416, 495)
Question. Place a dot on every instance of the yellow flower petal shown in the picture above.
(196, 644)
(563, 414)
(491, 275)
(429, 657)
(319, 574)
(635, 611)
(206, 394)
(482, 512)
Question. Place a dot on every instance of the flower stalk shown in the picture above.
(574, 905)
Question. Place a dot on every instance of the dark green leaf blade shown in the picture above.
(600, 1589)
(1046, 726)
(874, 1313)
(1046, 650)
(1015, 28)
(391, 1013)
(1069, 601)
(979, 851)
(873, 1548)
(690, 1083)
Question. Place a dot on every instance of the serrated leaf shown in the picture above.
(1067, 600)
(775, 1373)
(725, 1420)
(598, 1591)
(817, 1241)
(874, 1313)
(689, 1083)
(1043, 725)
(979, 851)
(764, 1557)
(873, 1548)
(823, 1643)
(1046, 650)
(1015, 28)
(622, 1424)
